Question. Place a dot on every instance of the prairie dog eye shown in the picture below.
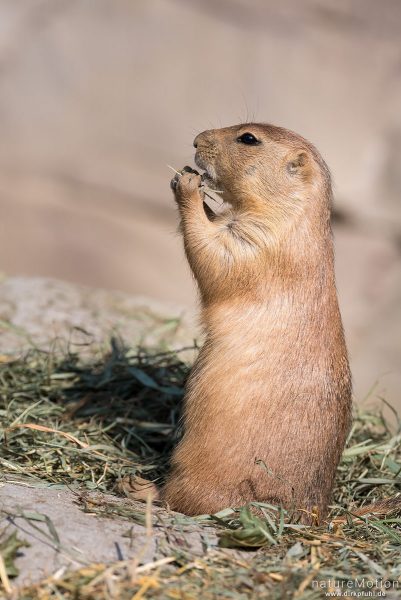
(249, 139)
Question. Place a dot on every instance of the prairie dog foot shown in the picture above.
(138, 488)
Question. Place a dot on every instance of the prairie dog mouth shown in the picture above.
(208, 180)
(209, 176)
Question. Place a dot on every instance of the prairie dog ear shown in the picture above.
(297, 162)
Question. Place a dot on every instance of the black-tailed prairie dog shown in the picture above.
(268, 402)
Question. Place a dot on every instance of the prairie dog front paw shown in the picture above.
(186, 183)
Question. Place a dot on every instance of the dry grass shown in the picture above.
(87, 423)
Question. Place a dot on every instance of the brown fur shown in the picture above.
(268, 403)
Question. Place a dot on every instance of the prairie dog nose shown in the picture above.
(205, 137)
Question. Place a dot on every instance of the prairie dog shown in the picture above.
(268, 402)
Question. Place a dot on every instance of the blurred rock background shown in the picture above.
(98, 96)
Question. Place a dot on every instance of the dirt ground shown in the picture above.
(49, 313)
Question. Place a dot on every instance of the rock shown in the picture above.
(61, 536)
(42, 311)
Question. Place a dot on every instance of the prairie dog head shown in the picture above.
(262, 167)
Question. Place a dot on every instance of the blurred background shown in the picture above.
(98, 96)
